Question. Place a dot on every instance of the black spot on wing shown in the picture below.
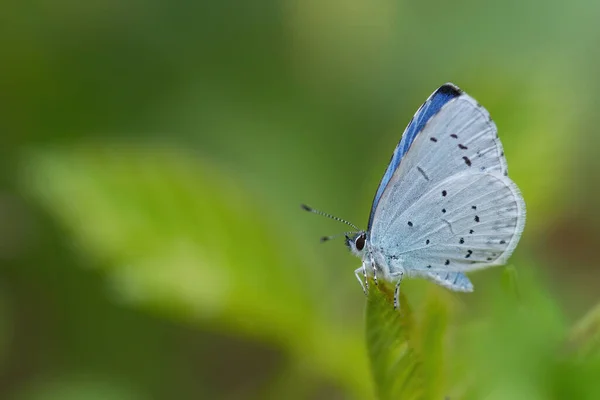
(454, 136)
(444, 193)
(410, 223)
(462, 147)
(433, 139)
(476, 218)
(467, 161)
(447, 262)
(461, 241)
(450, 90)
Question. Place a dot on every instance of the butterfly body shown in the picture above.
(445, 205)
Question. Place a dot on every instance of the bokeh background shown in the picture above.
(153, 156)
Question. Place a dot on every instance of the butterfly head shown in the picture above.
(357, 242)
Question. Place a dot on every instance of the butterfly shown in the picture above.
(445, 204)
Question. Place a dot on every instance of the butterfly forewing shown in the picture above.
(460, 137)
(431, 107)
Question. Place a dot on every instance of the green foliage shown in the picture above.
(180, 254)
(395, 363)
(183, 264)
(77, 388)
(520, 348)
(154, 155)
(584, 338)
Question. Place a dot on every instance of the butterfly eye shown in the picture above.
(360, 242)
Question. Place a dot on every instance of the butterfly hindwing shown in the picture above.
(455, 281)
(466, 222)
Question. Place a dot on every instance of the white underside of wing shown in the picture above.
(469, 221)
(461, 137)
(450, 205)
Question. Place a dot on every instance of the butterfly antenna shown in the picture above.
(328, 238)
(312, 210)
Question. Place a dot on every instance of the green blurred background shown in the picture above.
(154, 155)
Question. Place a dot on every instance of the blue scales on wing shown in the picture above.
(430, 108)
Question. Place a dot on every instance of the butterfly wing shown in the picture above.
(455, 281)
(455, 161)
(476, 224)
(430, 108)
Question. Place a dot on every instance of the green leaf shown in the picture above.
(176, 235)
(395, 364)
(170, 229)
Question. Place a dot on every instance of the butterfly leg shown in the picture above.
(374, 269)
(375, 275)
(398, 277)
(356, 272)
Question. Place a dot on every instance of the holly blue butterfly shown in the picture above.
(445, 205)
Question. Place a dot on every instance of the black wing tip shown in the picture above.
(450, 89)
